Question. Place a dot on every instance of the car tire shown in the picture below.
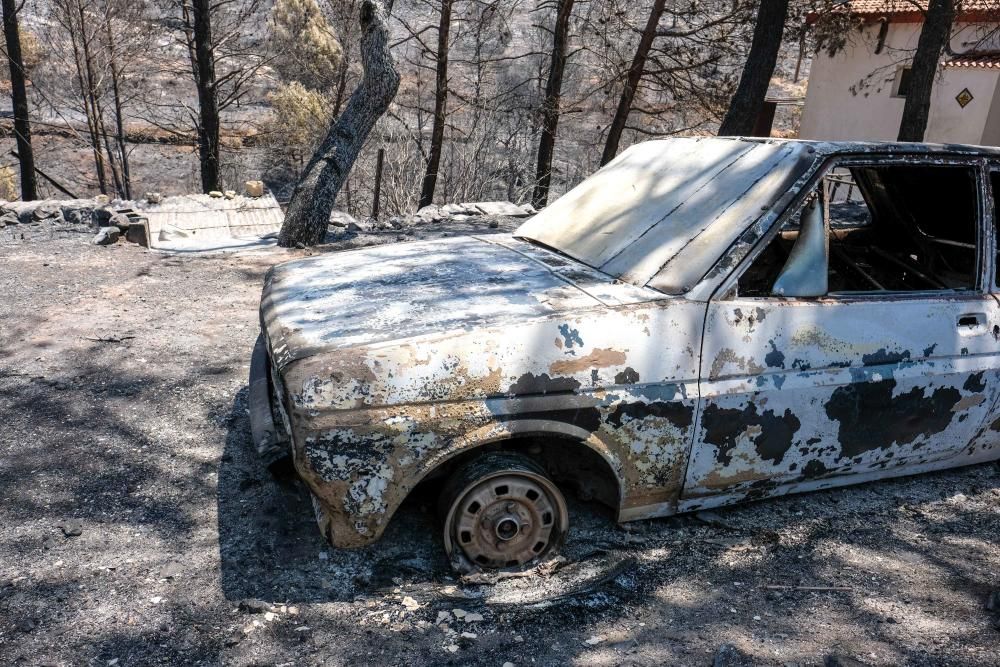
(501, 510)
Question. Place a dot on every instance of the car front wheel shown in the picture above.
(501, 510)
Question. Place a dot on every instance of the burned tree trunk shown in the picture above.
(440, 107)
(208, 102)
(635, 72)
(313, 199)
(19, 99)
(70, 18)
(116, 71)
(550, 107)
(934, 37)
(748, 101)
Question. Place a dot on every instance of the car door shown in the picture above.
(887, 368)
(986, 445)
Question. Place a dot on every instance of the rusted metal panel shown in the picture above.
(795, 391)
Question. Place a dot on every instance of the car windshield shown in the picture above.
(663, 212)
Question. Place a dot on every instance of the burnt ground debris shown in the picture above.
(123, 390)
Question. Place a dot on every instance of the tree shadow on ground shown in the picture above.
(683, 572)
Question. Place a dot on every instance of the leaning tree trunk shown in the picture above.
(440, 108)
(934, 37)
(748, 101)
(635, 72)
(312, 201)
(208, 101)
(550, 107)
(19, 99)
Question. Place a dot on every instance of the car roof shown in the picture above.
(663, 212)
(882, 147)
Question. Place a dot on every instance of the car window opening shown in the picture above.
(893, 228)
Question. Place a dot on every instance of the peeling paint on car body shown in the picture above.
(387, 363)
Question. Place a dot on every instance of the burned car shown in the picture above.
(702, 322)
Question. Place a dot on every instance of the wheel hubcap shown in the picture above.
(507, 520)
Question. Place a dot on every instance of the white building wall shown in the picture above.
(871, 112)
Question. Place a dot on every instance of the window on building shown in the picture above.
(901, 86)
(892, 229)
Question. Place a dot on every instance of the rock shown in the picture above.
(101, 216)
(102, 200)
(835, 660)
(77, 215)
(253, 606)
(473, 618)
(153, 197)
(215, 194)
(9, 218)
(341, 219)
(430, 213)
(494, 224)
(505, 208)
(459, 613)
(235, 637)
(410, 603)
(993, 601)
(72, 528)
(46, 211)
(27, 625)
(593, 641)
(451, 648)
(509, 664)
(120, 221)
(254, 188)
(469, 635)
(229, 194)
(353, 227)
(107, 236)
(396, 222)
(730, 656)
(459, 209)
(443, 617)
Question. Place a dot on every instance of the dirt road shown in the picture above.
(137, 526)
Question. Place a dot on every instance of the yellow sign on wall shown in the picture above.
(964, 97)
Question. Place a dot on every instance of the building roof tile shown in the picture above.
(891, 7)
(985, 60)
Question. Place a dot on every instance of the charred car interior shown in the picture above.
(890, 229)
(704, 321)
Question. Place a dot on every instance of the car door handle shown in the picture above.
(972, 320)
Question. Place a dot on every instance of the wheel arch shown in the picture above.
(502, 435)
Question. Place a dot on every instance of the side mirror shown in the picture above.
(805, 272)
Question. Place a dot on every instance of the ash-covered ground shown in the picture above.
(137, 526)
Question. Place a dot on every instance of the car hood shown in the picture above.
(404, 290)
